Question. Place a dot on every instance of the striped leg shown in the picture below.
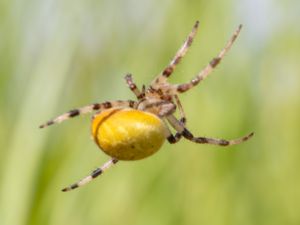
(172, 139)
(92, 176)
(89, 109)
(140, 95)
(177, 58)
(208, 69)
(204, 140)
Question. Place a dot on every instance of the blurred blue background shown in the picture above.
(56, 55)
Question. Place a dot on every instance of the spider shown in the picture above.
(132, 130)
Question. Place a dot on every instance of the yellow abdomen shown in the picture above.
(128, 134)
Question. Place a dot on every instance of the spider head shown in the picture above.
(156, 101)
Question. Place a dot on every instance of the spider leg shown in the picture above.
(172, 139)
(181, 111)
(175, 138)
(92, 176)
(180, 88)
(133, 87)
(204, 140)
(87, 109)
(177, 58)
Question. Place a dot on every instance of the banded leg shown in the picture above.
(172, 139)
(204, 140)
(92, 176)
(140, 95)
(88, 109)
(177, 58)
(180, 88)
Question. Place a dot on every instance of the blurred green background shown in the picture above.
(56, 55)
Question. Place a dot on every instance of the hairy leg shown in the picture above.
(140, 95)
(180, 88)
(177, 58)
(92, 176)
(204, 140)
(88, 109)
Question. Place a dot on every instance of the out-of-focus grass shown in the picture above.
(57, 55)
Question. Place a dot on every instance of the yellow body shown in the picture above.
(128, 134)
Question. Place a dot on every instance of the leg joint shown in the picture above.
(171, 139)
(187, 134)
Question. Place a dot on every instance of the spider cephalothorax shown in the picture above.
(131, 130)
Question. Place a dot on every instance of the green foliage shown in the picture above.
(57, 55)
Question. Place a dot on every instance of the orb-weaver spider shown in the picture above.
(131, 130)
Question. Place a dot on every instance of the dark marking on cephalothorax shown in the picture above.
(158, 103)
(150, 89)
(166, 98)
(74, 112)
(159, 91)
